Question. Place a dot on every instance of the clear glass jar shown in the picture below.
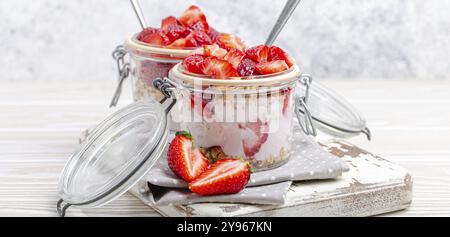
(148, 62)
(248, 117)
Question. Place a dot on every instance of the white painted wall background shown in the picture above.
(54, 39)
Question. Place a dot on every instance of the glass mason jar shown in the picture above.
(146, 62)
(249, 117)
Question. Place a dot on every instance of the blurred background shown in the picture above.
(358, 39)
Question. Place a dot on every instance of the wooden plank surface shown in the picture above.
(40, 123)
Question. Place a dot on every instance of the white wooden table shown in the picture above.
(40, 123)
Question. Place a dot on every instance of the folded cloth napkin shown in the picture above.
(308, 161)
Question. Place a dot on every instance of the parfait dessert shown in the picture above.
(239, 99)
(154, 51)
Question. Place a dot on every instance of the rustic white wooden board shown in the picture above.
(40, 122)
(372, 186)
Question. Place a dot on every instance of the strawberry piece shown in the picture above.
(153, 36)
(213, 34)
(272, 67)
(169, 21)
(199, 26)
(193, 15)
(175, 32)
(197, 38)
(214, 50)
(234, 56)
(226, 176)
(276, 53)
(255, 134)
(219, 68)
(185, 160)
(194, 63)
(258, 53)
(229, 41)
(177, 44)
(247, 68)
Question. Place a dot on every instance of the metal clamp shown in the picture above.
(62, 209)
(123, 70)
(167, 89)
(302, 111)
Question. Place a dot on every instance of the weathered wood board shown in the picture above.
(372, 186)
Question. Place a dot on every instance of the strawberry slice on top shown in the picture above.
(272, 67)
(235, 57)
(192, 16)
(194, 63)
(169, 21)
(184, 159)
(276, 53)
(219, 68)
(247, 68)
(153, 36)
(229, 41)
(211, 50)
(226, 176)
(258, 53)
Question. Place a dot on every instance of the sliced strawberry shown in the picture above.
(177, 44)
(197, 38)
(234, 56)
(194, 63)
(214, 50)
(276, 53)
(258, 53)
(213, 34)
(255, 134)
(145, 32)
(185, 160)
(153, 36)
(247, 68)
(229, 41)
(219, 68)
(272, 67)
(169, 21)
(174, 32)
(226, 176)
(193, 15)
(199, 26)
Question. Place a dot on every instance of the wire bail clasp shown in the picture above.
(123, 69)
(302, 111)
(167, 89)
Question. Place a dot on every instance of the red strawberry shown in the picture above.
(254, 135)
(229, 41)
(168, 21)
(258, 54)
(226, 176)
(185, 160)
(247, 68)
(199, 26)
(194, 63)
(234, 56)
(214, 50)
(153, 36)
(179, 43)
(272, 67)
(197, 38)
(276, 53)
(193, 15)
(219, 68)
(174, 32)
(213, 34)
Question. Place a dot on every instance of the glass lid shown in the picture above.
(117, 154)
(331, 113)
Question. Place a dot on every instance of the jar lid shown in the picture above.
(331, 113)
(116, 155)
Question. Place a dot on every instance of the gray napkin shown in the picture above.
(308, 161)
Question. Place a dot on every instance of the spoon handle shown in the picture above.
(140, 15)
(281, 21)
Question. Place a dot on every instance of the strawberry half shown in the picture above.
(258, 53)
(276, 53)
(185, 160)
(229, 41)
(192, 16)
(219, 68)
(197, 38)
(194, 63)
(226, 176)
(234, 56)
(255, 134)
(247, 68)
(175, 32)
(272, 67)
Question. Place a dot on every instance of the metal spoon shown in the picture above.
(138, 10)
(282, 19)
